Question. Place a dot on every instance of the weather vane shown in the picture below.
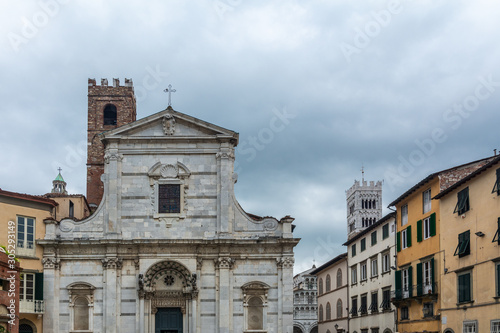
(169, 90)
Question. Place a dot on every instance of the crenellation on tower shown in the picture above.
(108, 107)
(364, 205)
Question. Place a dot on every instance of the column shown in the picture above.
(51, 287)
(225, 158)
(111, 304)
(224, 265)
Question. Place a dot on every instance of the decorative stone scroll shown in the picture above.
(224, 263)
(285, 262)
(108, 157)
(51, 263)
(225, 153)
(112, 263)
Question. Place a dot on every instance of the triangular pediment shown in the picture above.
(169, 123)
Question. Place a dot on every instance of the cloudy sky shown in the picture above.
(316, 89)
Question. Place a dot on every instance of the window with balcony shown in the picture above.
(404, 283)
(354, 306)
(31, 293)
(462, 202)
(363, 309)
(386, 299)
(374, 303)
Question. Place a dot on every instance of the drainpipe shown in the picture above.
(395, 262)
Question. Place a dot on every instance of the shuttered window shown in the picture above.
(464, 287)
(463, 247)
(462, 202)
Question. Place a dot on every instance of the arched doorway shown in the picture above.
(168, 288)
(25, 328)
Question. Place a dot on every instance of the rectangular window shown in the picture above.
(404, 239)
(385, 231)
(463, 247)
(363, 271)
(496, 187)
(428, 309)
(495, 326)
(470, 327)
(354, 275)
(353, 250)
(71, 209)
(406, 282)
(27, 287)
(374, 303)
(404, 214)
(363, 244)
(386, 299)
(374, 238)
(374, 267)
(363, 309)
(427, 228)
(427, 277)
(25, 232)
(462, 202)
(169, 198)
(386, 264)
(464, 287)
(405, 314)
(426, 198)
(354, 307)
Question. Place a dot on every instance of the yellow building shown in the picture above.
(28, 212)
(419, 260)
(470, 243)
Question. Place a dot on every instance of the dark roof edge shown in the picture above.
(466, 179)
(428, 178)
(331, 262)
(370, 228)
(29, 197)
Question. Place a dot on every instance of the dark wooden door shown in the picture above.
(168, 320)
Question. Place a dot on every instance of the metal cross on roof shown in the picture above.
(59, 169)
(169, 90)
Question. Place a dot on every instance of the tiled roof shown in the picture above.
(28, 197)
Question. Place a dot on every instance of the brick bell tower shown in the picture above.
(108, 107)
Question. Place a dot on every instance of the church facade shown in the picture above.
(168, 249)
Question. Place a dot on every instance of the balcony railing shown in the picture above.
(418, 290)
(29, 306)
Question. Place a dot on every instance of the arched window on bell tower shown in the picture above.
(110, 114)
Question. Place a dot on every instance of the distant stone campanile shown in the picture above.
(364, 206)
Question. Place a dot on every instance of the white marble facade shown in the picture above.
(208, 267)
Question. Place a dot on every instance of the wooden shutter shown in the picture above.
(398, 284)
(419, 231)
(432, 276)
(408, 236)
(398, 241)
(410, 280)
(433, 224)
(419, 279)
(39, 286)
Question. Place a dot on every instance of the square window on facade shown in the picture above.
(470, 327)
(385, 231)
(405, 313)
(495, 326)
(386, 263)
(426, 198)
(463, 247)
(363, 271)
(428, 309)
(404, 215)
(354, 275)
(462, 202)
(464, 284)
(169, 198)
(374, 267)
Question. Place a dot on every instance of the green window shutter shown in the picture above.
(398, 284)
(39, 286)
(363, 244)
(410, 280)
(419, 231)
(419, 279)
(385, 231)
(461, 290)
(398, 241)
(353, 249)
(408, 236)
(433, 224)
(374, 238)
(498, 280)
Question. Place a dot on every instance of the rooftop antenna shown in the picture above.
(362, 173)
